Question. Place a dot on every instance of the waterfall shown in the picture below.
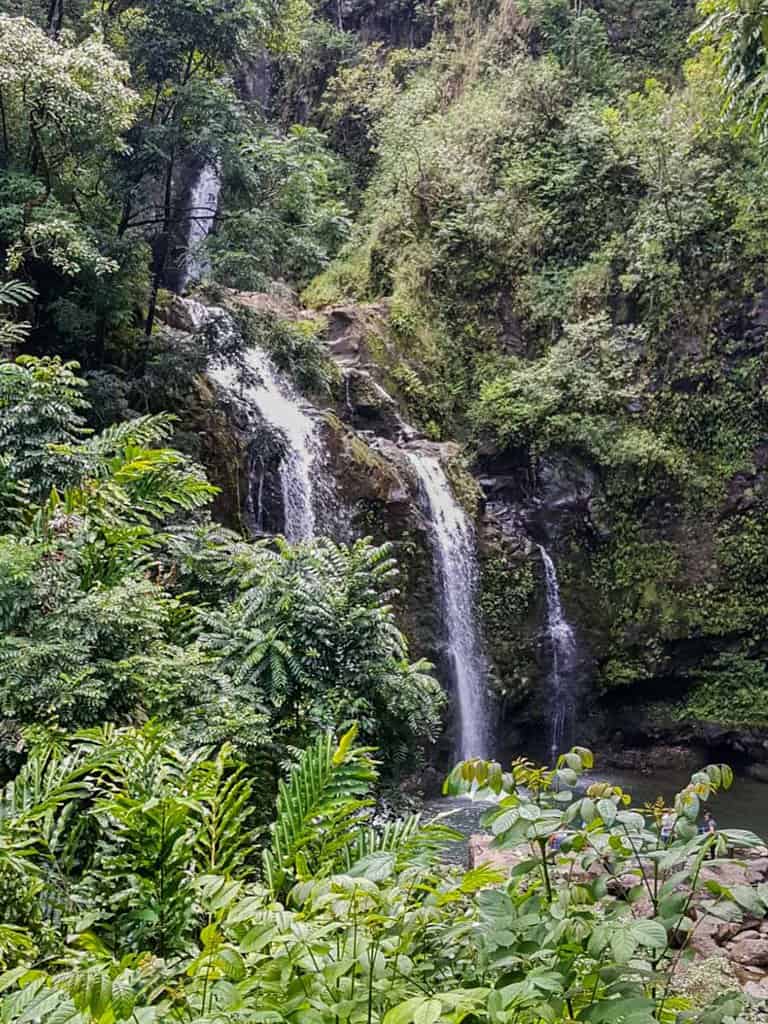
(276, 402)
(562, 642)
(456, 563)
(203, 205)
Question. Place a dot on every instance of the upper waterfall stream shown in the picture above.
(562, 642)
(278, 404)
(456, 561)
(204, 196)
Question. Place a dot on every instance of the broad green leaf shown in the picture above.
(650, 933)
(505, 821)
(748, 899)
(531, 812)
(376, 867)
(429, 1012)
(623, 942)
(607, 810)
(588, 810)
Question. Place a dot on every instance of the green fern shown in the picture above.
(411, 841)
(319, 811)
(14, 294)
(142, 432)
(224, 840)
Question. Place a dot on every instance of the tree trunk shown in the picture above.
(161, 257)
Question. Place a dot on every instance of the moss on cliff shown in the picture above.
(573, 259)
(508, 607)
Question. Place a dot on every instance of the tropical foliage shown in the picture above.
(119, 600)
(135, 867)
(556, 210)
(110, 113)
(739, 32)
(563, 204)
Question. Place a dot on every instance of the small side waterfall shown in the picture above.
(456, 562)
(562, 682)
(276, 402)
(204, 198)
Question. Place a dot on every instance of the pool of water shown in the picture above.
(745, 805)
(459, 814)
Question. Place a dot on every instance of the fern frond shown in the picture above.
(15, 293)
(318, 811)
(411, 841)
(224, 841)
(142, 432)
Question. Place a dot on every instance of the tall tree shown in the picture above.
(183, 54)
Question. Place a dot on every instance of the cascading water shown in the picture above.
(562, 641)
(203, 206)
(266, 391)
(456, 561)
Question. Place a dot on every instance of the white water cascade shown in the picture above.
(456, 562)
(276, 402)
(562, 641)
(203, 207)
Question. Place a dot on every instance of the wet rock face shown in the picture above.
(565, 492)
(507, 478)
(557, 500)
(511, 622)
(224, 455)
(348, 331)
(748, 490)
(549, 503)
(185, 314)
(254, 80)
(352, 333)
(551, 499)
(367, 469)
(650, 759)
(368, 408)
(375, 490)
(632, 739)
(356, 339)
(242, 459)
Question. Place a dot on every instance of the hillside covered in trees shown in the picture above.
(536, 229)
(393, 371)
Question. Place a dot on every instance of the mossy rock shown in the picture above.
(507, 602)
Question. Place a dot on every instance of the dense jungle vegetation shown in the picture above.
(129, 881)
(571, 236)
(563, 206)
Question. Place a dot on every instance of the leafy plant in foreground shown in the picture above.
(607, 896)
(312, 640)
(361, 923)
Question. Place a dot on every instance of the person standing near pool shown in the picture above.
(709, 827)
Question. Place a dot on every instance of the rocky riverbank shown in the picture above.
(742, 944)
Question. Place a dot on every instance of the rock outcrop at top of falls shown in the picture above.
(518, 504)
